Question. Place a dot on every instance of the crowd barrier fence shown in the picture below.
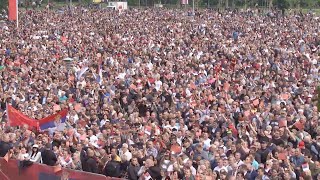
(12, 171)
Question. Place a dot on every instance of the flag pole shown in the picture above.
(7, 111)
(17, 14)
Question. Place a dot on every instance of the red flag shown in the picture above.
(16, 118)
(13, 10)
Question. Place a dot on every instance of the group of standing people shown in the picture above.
(157, 94)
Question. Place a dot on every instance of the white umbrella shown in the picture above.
(68, 59)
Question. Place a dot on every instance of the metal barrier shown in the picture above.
(10, 171)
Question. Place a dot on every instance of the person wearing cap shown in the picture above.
(229, 137)
(301, 145)
(35, 155)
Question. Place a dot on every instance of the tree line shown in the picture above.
(295, 4)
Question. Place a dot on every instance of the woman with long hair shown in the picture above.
(35, 154)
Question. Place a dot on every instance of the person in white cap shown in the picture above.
(35, 154)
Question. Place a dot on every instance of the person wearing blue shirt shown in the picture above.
(297, 159)
(235, 35)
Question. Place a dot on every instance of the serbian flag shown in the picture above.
(16, 118)
(99, 77)
(82, 71)
(13, 10)
(55, 121)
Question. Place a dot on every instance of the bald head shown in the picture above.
(6, 138)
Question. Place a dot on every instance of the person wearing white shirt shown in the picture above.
(92, 138)
(206, 142)
(35, 154)
(220, 166)
(23, 154)
(125, 153)
(158, 84)
(65, 160)
(238, 159)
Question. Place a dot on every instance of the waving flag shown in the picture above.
(82, 71)
(13, 10)
(16, 118)
(56, 121)
(99, 77)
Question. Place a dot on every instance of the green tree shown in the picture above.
(282, 4)
(3, 4)
(308, 3)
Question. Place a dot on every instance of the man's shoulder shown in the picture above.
(47, 151)
(91, 160)
(113, 163)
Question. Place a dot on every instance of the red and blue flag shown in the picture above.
(54, 121)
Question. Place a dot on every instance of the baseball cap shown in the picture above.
(301, 145)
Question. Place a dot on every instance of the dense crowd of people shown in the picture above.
(157, 94)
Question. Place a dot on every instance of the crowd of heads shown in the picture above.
(219, 95)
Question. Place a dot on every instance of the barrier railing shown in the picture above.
(10, 171)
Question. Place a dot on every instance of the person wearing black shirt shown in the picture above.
(4, 146)
(264, 151)
(155, 172)
(187, 147)
(277, 139)
(142, 107)
(89, 164)
(48, 156)
(167, 97)
(83, 157)
(232, 150)
(133, 169)
(56, 142)
(113, 168)
(151, 169)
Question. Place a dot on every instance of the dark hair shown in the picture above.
(241, 173)
(34, 152)
(48, 146)
(151, 157)
(260, 168)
